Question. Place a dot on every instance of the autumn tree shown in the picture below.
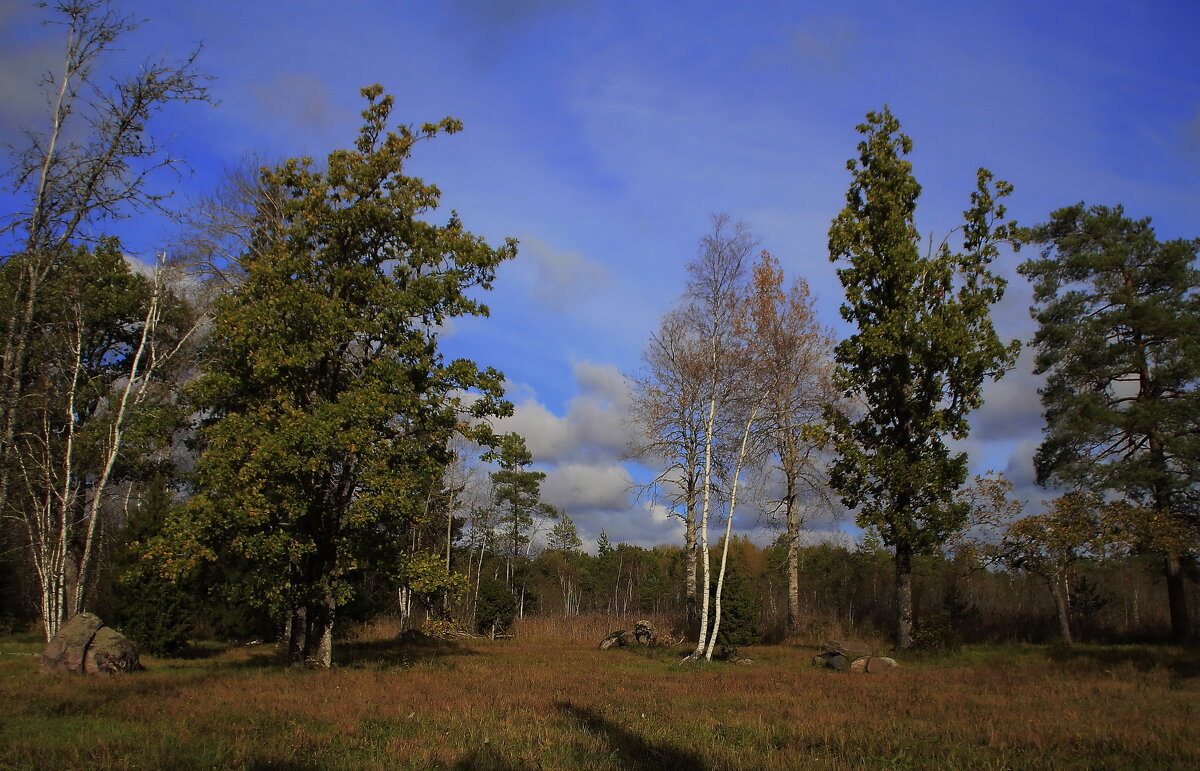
(328, 404)
(1119, 343)
(795, 364)
(1076, 526)
(715, 282)
(922, 345)
(668, 408)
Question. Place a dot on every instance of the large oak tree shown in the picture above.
(922, 346)
(328, 402)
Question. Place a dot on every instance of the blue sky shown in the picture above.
(602, 133)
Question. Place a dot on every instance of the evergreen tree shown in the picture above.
(158, 615)
(923, 344)
(739, 603)
(564, 537)
(1119, 342)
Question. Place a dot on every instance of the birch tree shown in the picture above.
(100, 338)
(795, 362)
(669, 409)
(92, 161)
(715, 283)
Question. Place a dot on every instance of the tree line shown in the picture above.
(260, 434)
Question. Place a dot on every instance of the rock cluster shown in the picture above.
(85, 645)
(643, 634)
(853, 656)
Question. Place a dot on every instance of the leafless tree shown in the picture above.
(91, 163)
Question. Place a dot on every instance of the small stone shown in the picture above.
(859, 665)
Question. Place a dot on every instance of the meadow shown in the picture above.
(550, 699)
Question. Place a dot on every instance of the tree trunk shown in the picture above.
(298, 639)
(691, 554)
(1062, 606)
(793, 569)
(737, 473)
(1177, 598)
(904, 596)
(325, 645)
(708, 451)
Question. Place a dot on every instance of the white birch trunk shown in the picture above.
(704, 508)
(716, 627)
(116, 432)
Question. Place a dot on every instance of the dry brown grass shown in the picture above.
(590, 627)
(555, 703)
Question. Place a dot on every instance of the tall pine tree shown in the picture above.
(1119, 342)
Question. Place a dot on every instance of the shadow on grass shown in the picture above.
(633, 751)
(486, 759)
(1179, 662)
(401, 651)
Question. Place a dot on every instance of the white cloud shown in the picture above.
(595, 424)
(649, 524)
(575, 486)
(562, 280)
(1012, 408)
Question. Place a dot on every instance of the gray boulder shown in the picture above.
(828, 660)
(66, 650)
(619, 638)
(84, 644)
(110, 652)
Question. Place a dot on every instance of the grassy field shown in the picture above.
(560, 703)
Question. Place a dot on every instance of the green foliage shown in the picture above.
(564, 537)
(1119, 343)
(922, 346)
(426, 575)
(496, 609)
(517, 492)
(739, 605)
(157, 614)
(328, 404)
